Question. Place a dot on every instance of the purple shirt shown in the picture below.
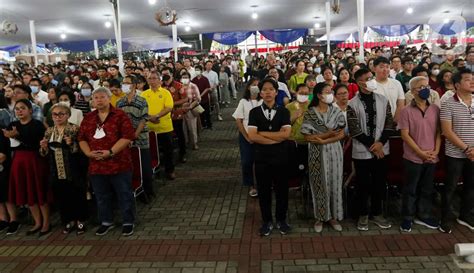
(422, 128)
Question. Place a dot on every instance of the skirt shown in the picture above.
(28, 183)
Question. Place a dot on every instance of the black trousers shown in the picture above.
(206, 116)
(371, 183)
(71, 200)
(269, 175)
(165, 140)
(178, 129)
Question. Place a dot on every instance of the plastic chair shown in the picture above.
(137, 177)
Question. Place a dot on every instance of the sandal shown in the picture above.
(81, 229)
(68, 228)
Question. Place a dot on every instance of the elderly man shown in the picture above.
(457, 123)
(104, 137)
(214, 82)
(420, 131)
(433, 97)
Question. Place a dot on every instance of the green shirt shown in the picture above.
(296, 125)
(295, 80)
(404, 79)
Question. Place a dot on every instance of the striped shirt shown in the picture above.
(137, 111)
(461, 116)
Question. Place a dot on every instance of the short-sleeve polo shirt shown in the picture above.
(157, 100)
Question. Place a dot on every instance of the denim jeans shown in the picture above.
(121, 184)
(147, 171)
(247, 158)
(418, 190)
(455, 167)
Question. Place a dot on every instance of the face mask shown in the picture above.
(302, 98)
(54, 82)
(310, 69)
(198, 72)
(328, 98)
(317, 70)
(371, 86)
(254, 91)
(278, 67)
(86, 92)
(66, 103)
(72, 67)
(185, 81)
(34, 89)
(321, 56)
(348, 54)
(9, 79)
(435, 72)
(126, 88)
(424, 94)
(79, 85)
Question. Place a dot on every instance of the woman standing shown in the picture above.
(84, 101)
(299, 77)
(190, 119)
(344, 78)
(61, 147)
(28, 176)
(53, 99)
(69, 100)
(445, 82)
(224, 86)
(250, 100)
(323, 127)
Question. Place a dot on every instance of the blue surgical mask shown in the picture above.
(86, 92)
(34, 89)
(54, 82)
(424, 93)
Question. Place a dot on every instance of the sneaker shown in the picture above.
(318, 227)
(102, 230)
(335, 225)
(427, 222)
(127, 230)
(406, 225)
(381, 222)
(3, 225)
(466, 223)
(363, 223)
(283, 227)
(266, 229)
(219, 118)
(13, 228)
(253, 193)
(444, 227)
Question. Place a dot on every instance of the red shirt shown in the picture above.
(117, 125)
(353, 89)
(178, 94)
(202, 83)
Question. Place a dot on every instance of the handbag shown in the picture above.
(197, 110)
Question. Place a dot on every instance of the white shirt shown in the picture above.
(448, 94)
(394, 73)
(191, 72)
(243, 110)
(320, 78)
(41, 98)
(392, 90)
(212, 77)
(282, 86)
(76, 116)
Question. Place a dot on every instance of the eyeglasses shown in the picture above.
(58, 115)
(20, 108)
(424, 87)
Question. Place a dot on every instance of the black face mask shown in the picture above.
(166, 78)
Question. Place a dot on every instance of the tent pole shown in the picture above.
(360, 20)
(118, 34)
(33, 41)
(328, 27)
(174, 30)
(256, 44)
(200, 40)
(96, 49)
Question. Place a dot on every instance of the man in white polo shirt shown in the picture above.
(457, 124)
(390, 88)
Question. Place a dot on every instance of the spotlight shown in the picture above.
(187, 28)
(63, 36)
(254, 15)
(410, 10)
(317, 25)
(107, 24)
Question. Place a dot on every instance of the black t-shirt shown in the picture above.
(260, 118)
(30, 134)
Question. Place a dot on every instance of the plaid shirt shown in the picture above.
(137, 111)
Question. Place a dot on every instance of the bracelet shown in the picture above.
(467, 148)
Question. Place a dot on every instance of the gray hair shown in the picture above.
(103, 90)
(62, 106)
(415, 80)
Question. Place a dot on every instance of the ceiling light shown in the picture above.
(254, 15)
(446, 20)
(317, 25)
(410, 10)
(151, 2)
(187, 28)
(107, 24)
(63, 36)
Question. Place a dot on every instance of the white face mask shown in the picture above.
(126, 88)
(66, 103)
(310, 68)
(317, 70)
(435, 72)
(328, 98)
(302, 98)
(371, 86)
(198, 72)
(185, 81)
(254, 90)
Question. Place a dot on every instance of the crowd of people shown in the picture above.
(68, 129)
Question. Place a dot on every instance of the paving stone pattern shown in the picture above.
(205, 222)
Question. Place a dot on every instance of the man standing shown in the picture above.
(370, 124)
(160, 103)
(204, 88)
(269, 127)
(405, 76)
(470, 61)
(104, 137)
(214, 82)
(137, 110)
(390, 88)
(457, 123)
(40, 97)
(420, 131)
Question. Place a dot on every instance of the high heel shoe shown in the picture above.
(33, 232)
(43, 233)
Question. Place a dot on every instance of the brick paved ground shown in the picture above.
(205, 222)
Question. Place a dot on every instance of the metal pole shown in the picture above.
(328, 27)
(256, 44)
(118, 34)
(96, 49)
(33, 41)
(360, 20)
(200, 40)
(174, 29)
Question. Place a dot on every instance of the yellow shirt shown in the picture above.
(114, 99)
(296, 134)
(157, 100)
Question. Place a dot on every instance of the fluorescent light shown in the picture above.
(107, 24)
(254, 15)
(410, 10)
(187, 28)
(317, 25)
(151, 2)
(63, 36)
